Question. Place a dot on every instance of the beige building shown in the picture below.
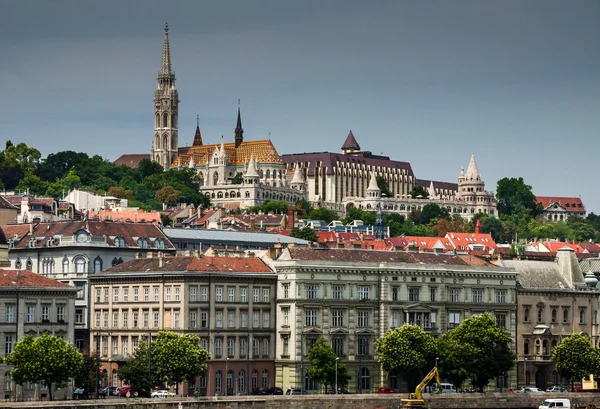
(32, 305)
(227, 301)
(353, 297)
(554, 300)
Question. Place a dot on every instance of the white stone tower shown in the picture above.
(166, 101)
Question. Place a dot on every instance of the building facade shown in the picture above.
(227, 301)
(352, 297)
(32, 305)
(559, 209)
(554, 300)
(71, 251)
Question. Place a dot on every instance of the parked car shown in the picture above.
(556, 389)
(162, 394)
(80, 393)
(341, 391)
(108, 391)
(386, 390)
(274, 390)
(531, 390)
(296, 392)
(133, 393)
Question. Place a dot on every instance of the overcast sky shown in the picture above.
(428, 82)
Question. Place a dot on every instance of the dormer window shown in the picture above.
(142, 242)
(159, 243)
(119, 241)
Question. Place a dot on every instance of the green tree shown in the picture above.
(22, 157)
(303, 207)
(147, 167)
(408, 351)
(177, 358)
(47, 359)
(63, 186)
(576, 358)
(383, 186)
(417, 191)
(138, 372)
(479, 348)
(118, 191)
(86, 376)
(354, 213)
(515, 197)
(166, 220)
(238, 179)
(323, 363)
(322, 213)
(33, 184)
(305, 233)
(267, 206)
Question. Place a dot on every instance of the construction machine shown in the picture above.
(416, 399)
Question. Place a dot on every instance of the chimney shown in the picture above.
(252, 222)
(290, 220)
(568, 265)
(160, 261)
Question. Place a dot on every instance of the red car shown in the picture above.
(387, 390)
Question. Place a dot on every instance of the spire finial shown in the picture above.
(197, 120)
(167, 27)
(239, 103)
(165, 66)
(239, 131)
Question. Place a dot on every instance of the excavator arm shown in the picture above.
(416, 399)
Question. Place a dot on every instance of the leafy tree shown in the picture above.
(238, 179)
(454, 223)
(63, 186)
(166, 220)
(22, 157)
(576, 358)
(147, 167)
(408, 351)
(383, 186)
(267, 206)
(517, 249)
(47, 359)
(303, 207)
(305, 233)
(168, 195)
(479, 348)
(33, 184)
(322, 213)
(490, 225)
(177, 358)
(86, 376)
(118, 191)
(355, 213)
(57, 165)
(417, 191)
(322, 365)
(515, 197)
(138, 372)
(431, 212)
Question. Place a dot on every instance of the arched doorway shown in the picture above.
(540, 379)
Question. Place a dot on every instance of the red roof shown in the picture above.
(428, 243)
(398, 242)
(463, 241)
(554, 246)
(326, 236)
(26, 278)
(349, 236)
(5, 204)
(131, 159)
(569, 203)
(189, 263)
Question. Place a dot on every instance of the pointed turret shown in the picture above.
(298, 181)
(197, 135)
(239, 131)
(165, 66)
(251, 176)
(431, 190)
(350, 145)
(373, 189)
(472, 170)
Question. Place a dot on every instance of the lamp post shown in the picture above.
(336, 384)
(226, 378)
(436, 361)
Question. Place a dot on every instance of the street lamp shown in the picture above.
(336, 385)
(436, 361)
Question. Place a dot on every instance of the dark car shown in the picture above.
(386, 390)
(296, 392)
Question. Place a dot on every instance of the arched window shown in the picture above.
(268, 174)
(565, 316)
(553, 315)
(526, 347)
(254, 379)
(165, 123)
(265, 349)
(582, 316)
(218, 381)
(230, 347)
(65, 266)
(545, 347)
(97, 264)
(80, 265)
(540, 315)
(218, 347)
(229, 381)
(240, 381)
(174, 121)
(157, 121)
(28, 264)
(265, 379)
(364, 379)
(215, 178)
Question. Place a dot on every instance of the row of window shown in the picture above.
(240, 381)
(414, 293)
(554, 315)
(45, 313)
(233, 320)
(173, 293)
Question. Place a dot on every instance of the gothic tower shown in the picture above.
(166, 100)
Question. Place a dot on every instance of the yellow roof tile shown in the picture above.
(262, 150)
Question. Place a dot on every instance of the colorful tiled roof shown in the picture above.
(554, 246)
(26, 278)
(569, 203)
(263, 151)
(188, 263)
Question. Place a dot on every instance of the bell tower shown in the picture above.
(166, 103)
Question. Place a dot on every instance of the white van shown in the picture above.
(447, 388)
(555, 403)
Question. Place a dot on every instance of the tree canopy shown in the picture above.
(408, 351)
(138, 371)
(516, 198)
(47, 359)
(477, 349)
(575, 357)
(323, 365)
(305, 233)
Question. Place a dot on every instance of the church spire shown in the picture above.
(197, 135)
(165, 66)
(239, 131)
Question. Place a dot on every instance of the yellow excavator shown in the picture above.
(416, 399)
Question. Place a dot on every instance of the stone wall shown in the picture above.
(456, 401)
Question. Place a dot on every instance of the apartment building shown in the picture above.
(227, 301)
(352, 297)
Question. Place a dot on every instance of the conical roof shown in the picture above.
(472, 170)
(251, 171)
(298, 177)
(350, 143)
(165, 65)
(197, 135)
(373, 182)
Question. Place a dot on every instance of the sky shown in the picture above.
(516, 82)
